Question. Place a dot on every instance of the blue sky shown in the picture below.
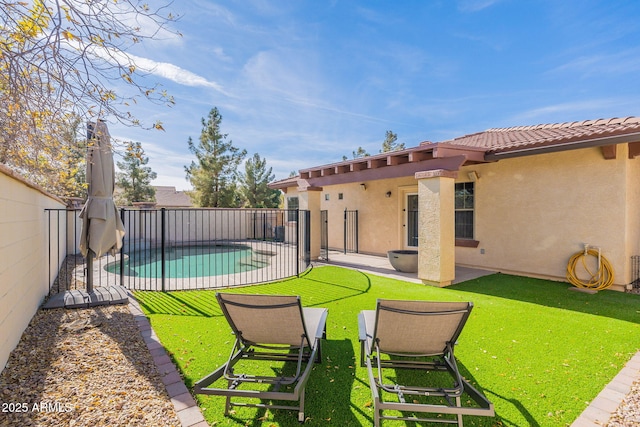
(305, 82)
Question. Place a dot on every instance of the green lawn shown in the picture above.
(539, 351)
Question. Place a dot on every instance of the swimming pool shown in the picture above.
(190, 261)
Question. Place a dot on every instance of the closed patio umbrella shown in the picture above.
(102, 228)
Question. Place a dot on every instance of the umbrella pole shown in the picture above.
(90, 255)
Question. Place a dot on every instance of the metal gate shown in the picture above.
(350, 231)
(304, 240)
(324, 235)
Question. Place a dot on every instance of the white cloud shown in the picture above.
(289, 77)
(213, 11)
(220, 54)
(174, 73)
(285, 72)
(577, 110)
(617, 63)
(146, 65)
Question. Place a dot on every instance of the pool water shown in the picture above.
(189, 261)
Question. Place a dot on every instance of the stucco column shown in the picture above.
(436, 222)
(309, 199)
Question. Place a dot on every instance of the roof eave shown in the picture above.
(399, 160)
(573, 145)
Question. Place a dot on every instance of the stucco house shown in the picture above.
(169, 197)
(517, 200)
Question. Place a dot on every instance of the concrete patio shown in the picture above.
(381, 266)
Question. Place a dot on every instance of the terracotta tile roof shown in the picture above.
(292, 181)
(490, 145)
(506, 139)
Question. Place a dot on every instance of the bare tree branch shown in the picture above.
(64, 59)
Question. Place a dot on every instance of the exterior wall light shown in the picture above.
(388, 194)
(364, 186)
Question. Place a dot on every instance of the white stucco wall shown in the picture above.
(24, 262)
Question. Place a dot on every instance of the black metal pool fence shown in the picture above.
(179, 249)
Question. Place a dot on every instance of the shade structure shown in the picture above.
(102, 228)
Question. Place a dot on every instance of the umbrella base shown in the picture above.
(77, 298)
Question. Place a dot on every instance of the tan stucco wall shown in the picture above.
(380, 218)
(533, 213)
(436, 261)
(24, 274)
(633, 212)
(310, 200)
(290, 227)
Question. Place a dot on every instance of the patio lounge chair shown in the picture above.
(268, 328)
(418, 335)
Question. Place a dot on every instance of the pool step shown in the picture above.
(258, 259)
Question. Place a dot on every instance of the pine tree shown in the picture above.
(255, 190)
(214, 176)
(359, 153)
(135, 178)
(390, 143)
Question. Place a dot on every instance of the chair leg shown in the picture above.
(227, 405)
(301, 410)
(459, 405)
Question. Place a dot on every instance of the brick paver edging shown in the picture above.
(185, 406)
(607, 402)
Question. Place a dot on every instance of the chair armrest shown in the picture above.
(365, 317)
(362, 327)
(315, 320)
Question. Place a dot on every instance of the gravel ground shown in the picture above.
(83, 367)
(628, 413)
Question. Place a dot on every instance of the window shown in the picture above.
(464, 205)
(340, 196)
(412, 219)
(326, 196)
(292, 205)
